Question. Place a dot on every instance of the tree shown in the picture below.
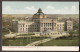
(71, 33)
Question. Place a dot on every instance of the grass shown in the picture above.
(66, 41)
(19, 41)
(62, 42)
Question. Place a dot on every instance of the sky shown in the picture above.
(28, 7)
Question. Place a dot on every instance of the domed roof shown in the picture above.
(39, 12)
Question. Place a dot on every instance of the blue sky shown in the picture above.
(21, 7)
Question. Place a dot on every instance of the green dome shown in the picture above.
(39, 12)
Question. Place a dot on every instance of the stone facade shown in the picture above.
(41, 23)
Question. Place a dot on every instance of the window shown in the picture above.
(58, 33)
(26, 29)
(50, 24)
(44, 28)
(23, 25)
(50, 28)
(70, 24)
(41, 24)
(46, 24)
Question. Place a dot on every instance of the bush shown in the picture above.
(31, 33)
(5, 31)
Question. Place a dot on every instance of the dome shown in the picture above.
(39, 12)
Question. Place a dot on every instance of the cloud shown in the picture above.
(47, 10)
(50, 7)
(64, 10)
(74, 8)
(51, 10)
(7, 8)
(25, 10)
(30, 8)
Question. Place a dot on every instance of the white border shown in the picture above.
(40, 48)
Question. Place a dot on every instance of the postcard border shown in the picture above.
(29, 0)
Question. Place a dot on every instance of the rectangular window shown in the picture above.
(50, 28)
(23, 25)
(26, 29)
(48, 24)
(44, 25)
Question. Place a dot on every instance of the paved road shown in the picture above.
(39, 42)
(44, 40)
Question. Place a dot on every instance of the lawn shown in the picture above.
(19, 41)
(57, 42)
(62, 42)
